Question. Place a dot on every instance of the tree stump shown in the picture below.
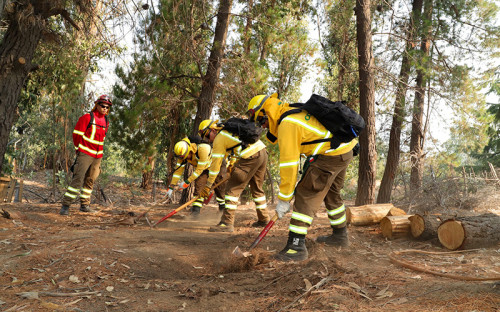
(371, 214)
(424, 227)
(470, 232)
(395, 226)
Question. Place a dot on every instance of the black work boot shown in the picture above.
(85, 208)
(295, 249)
(222, 227)
(338, 238)
(260, 223)
(64, 210)
(195, 211)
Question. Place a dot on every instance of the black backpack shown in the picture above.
(344, 123)
(244, 129)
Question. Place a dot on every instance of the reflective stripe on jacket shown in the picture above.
(223, 147)
(294, 130)
(89, 139)
(200, 161)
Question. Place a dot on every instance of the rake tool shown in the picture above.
(237, 251)
(171, 213)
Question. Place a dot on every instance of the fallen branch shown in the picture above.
(318, 285)
(420, 269)
(76, 294)
(45, 199)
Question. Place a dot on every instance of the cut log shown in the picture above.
(371, 214)
(470, 232)
(424, 227)
(395, 226)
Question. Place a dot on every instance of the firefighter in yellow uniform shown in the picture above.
(250, 170)
(192, 150)
(322, 180)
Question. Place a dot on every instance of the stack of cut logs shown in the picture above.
(453, 232)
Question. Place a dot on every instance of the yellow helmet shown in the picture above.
(206, 125)
(182, 148)
(256, 104)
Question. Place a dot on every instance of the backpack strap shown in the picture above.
(232, 148)
(334, 142)
(290, 112)
(91, 122)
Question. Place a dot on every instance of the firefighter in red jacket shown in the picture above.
(88, 138)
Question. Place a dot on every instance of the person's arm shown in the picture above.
(80, 128)
(289, 140)
(177, 173)
(218, 155)
(204, 158)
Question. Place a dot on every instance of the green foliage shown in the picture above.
(53, 99)
(339, 52)
(156, 96)
(491, 152)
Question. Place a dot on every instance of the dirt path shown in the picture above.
(180, 266)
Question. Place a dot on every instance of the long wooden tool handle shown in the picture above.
(171, 213)
(264, 232)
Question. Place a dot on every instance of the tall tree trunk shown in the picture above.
(417, 133)
(16, 52)
(147, 175)
(248, 28)
(368, 154)
(392, 163)
(2, 7)
(211, 78)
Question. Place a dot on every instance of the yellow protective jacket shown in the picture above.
(227, 145)
(294, 130)
(200, 158)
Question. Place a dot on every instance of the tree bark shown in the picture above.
(417, 133)
(368, 154)
(470, 232)
(16, 53)
(392, 163)
(424, 227)
(370, 214)
(248, 28)
(147, 175)
(395, 226)
(209, 82)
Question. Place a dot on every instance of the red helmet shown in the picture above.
(104, 99)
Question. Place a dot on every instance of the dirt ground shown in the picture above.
(105, 262)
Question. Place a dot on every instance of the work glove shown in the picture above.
(183, 185)
(205, 191)
(282, 208)
(170, 192)
(230, 168)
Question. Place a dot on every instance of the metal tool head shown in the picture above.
(238, 253)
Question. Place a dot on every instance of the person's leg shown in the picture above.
(335, 205)
(83, 162)
(235, 185)
(220, 191)
(258, 195)
(88, 184)
(309, 195)
(199, 184)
